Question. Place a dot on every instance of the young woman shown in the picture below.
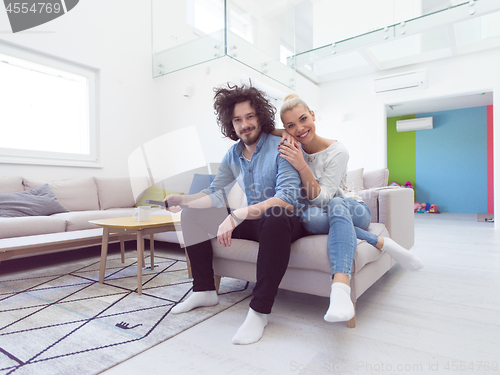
(330, 207)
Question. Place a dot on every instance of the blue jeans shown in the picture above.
(344, 221)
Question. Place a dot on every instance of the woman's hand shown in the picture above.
(226, 231)
(287, 138)
(173, 200)
(293, 153)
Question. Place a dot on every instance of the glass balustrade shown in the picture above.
(190, 32)
(320, 39)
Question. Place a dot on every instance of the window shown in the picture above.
(48, 110)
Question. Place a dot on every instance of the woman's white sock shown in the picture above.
(252, 328)
(404, 257)
(341, 308)
(197, 299)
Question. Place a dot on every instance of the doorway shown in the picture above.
(450, 165)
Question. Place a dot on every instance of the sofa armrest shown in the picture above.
(376, 178)
(396, 212)
(370, 198)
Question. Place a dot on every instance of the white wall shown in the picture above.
(113, 36)
(177, 111)
(364, 131)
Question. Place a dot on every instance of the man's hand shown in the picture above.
(174, 200)
(226, 231)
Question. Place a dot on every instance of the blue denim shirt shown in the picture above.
(267, 175)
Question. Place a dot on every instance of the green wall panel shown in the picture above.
(400, 152)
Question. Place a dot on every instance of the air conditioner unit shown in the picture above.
(408, 80)
(414, 124)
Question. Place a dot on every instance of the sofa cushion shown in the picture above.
(30, 226)
(78, 220)
(155, 193)
(305, 254)
(367, 253)
(39, 201)
(376, 178)
(308, 252)
(114, 192)
(200, 182)
(78, 194)
(152, 192)
(12, 184)
(354, 180)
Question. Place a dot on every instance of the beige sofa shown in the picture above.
(87, 199)
(309, 268)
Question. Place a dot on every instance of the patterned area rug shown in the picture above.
(60, 320)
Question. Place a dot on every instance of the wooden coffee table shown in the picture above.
(129, 225)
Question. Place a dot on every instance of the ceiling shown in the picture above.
(439, 104)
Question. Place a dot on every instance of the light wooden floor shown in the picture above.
(444, 319)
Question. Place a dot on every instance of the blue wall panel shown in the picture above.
(451, 167)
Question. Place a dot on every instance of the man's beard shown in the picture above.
(250, 141)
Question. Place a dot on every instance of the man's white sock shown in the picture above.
(197, 299)
(252, 328)
(404, 257)
(341, 308)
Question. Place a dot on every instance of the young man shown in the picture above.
(272, 188)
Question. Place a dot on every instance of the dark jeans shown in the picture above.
(275, 231)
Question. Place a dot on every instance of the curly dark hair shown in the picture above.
(226, 98)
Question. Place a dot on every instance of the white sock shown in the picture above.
(197, 299)
(404, 257)
(252, 329)
(341, 308)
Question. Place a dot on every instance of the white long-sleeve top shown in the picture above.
(329, 168)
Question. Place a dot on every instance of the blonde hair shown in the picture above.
(290, 102)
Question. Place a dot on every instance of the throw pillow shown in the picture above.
(200, 182)
(77, 194)
(40, 201)
(155, 193)
(354, 180)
